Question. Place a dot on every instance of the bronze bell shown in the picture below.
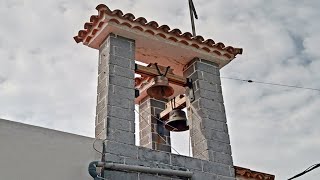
(160, 89)
(177, 121)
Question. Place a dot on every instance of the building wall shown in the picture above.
(28, 153)
(31, 153)
(133, 155)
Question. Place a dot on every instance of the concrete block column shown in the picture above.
(153, 135)
(208, 128)
(115, 100)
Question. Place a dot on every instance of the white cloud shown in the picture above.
(47, 79)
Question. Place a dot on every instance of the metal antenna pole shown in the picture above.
(193, 12)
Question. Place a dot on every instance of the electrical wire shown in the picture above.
(306, 171)
(95, 139)
(273, 84)
(93, 146)
(156, 131)
(170, 126)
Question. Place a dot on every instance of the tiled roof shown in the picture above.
(247, 173)
(117, 16)
(140, 82)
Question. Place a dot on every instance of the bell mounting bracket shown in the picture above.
(152, 71)
(190, 90)
(157, 67)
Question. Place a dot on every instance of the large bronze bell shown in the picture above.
(161, 88)
(177, 121)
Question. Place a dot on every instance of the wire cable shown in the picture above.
(93, 145)
(306, 171)
(155, 131)
(95, 140)
(268, 83)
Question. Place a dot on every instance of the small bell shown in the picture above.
(177, 121)
(161, 88)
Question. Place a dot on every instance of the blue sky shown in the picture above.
(46, 79)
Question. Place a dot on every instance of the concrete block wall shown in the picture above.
(141, 156)
(208, 128)
(115, 119)
(152, 132)
(115, 99)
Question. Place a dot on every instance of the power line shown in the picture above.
(306, 171)
(268, 83)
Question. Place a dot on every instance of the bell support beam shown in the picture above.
(180, 103)
(152, 72)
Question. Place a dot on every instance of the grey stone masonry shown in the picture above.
(115, 120)
(208, 128)
(115, 97)
(153, 135)
(141, 156)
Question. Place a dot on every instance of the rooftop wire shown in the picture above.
(306, 171)
(273, 84)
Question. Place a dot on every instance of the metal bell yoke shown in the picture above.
(161, 88)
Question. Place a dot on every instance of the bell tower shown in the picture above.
(181, 71)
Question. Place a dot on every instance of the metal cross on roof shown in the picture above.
(193, 14)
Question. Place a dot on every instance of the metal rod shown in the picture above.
(194, 10)
(156, 64)
(123, 167)
(167, 69)
(192, 19)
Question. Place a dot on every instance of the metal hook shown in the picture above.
(165, 74)
(156, 64)
(171, 104)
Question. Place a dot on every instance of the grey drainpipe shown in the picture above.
(124, 167)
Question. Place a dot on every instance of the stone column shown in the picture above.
(153, 135)
(115, 100)
(208, 128)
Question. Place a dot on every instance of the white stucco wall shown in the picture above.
(31, 153)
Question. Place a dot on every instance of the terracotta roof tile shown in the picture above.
(187, 35)
(199, 39)
(165, 28)
(209, 42)
(141, 20)
(90, 29)
(247, 173)
(176, 32)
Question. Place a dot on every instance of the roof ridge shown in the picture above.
(103, 9)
